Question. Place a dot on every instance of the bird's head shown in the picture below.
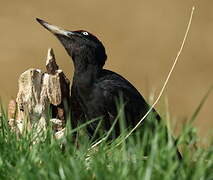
(82, 46)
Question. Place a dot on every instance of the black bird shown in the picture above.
(94, 89)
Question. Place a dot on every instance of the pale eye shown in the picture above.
(85, 33)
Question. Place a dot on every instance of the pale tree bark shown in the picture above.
(40, 93)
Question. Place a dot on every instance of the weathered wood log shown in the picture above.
(12, 107)
(38, 93)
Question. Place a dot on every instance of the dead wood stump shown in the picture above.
(38, 94)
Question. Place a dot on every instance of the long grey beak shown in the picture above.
(54, 29)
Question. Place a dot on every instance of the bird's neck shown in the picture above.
(85, 74)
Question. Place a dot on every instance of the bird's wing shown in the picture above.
(115, 88)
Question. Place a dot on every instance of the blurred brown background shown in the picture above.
(141, 37)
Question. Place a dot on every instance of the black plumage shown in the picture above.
(94, 89)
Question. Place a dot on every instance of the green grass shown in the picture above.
(60, 159)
